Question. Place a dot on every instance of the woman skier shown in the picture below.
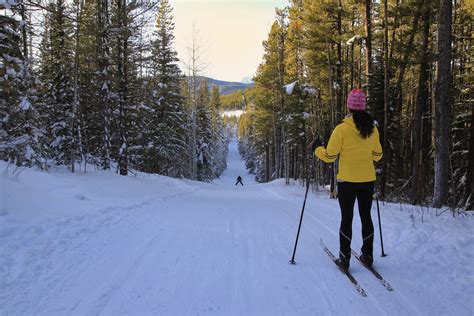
(356, 142)
(239, 180)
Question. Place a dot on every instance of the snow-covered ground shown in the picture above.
(236, 113)
(100, 243)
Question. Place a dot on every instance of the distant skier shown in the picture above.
(239, 180)
(356, 143)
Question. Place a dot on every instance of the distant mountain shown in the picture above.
(226, 87)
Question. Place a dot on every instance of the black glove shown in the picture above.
(316, 143)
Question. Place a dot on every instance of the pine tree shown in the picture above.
(269, 104)
(56, 75)
(420, 107)
(297, 104)
(168, 137)
(21, 135)
(215, 107)
(246, 133)
(219, 139)
(104, 93)
(204, 135)
(461, 190)
(126, 85)
(444, 101)
(89, 109)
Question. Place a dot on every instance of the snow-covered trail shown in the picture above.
(173, 247)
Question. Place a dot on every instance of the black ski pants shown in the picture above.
(348, 192)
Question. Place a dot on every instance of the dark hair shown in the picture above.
(363, 122)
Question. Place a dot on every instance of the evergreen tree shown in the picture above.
(21, 135)
(269, 104)
(443, 104)
(219, 139)
(168, 139)
(56, 75)
(204, 135)
(126, 85)
(89, 74)
(247, 140)
(104, 95)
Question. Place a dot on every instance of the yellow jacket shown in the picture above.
(356, 154)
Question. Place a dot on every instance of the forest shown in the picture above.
(97, 84)
(238, 100)
(413, 58)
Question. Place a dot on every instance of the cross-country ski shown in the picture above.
(374, 272)
(344, 271)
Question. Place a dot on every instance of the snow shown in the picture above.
(11, 72)
(305, 89)
(104, 244)
(310, 90)
(290, 87)
(353, 39)
(122, 148)
(8, 3)
(25, 104)
(236, 113)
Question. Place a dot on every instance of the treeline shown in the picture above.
(415, 61)
(238, 100)
(94, 82)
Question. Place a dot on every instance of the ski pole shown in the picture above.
(292, 261)
(380, 223)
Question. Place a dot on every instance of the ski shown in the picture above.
(347, 273)
(374, 272)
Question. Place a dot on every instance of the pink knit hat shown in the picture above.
(356, 100)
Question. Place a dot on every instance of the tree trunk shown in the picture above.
(75, 104)
(396, 24)
(103, 47)
(368, 44)
(283, 161)
(339, 96)
(393, 167)
(421, 103)
(23, 30)
(122, 51)
(469, 194)
(332, 113)
(406, 56)
(267, 162)
(443, 100)
(386, 85)
(386, 74)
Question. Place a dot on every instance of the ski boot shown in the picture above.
(343, 262)
(367, 260)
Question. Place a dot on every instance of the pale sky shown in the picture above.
(230, 31)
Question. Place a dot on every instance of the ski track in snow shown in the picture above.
(101, 244)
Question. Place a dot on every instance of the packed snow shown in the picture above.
(103, 244)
